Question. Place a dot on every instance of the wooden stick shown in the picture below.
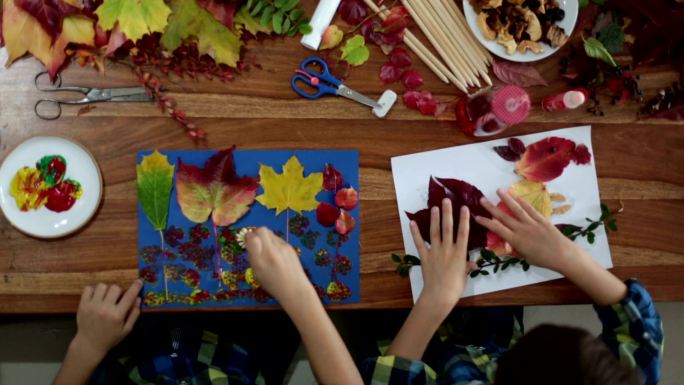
(468, 51)
(456, 13)
(433, 20)
(417, 47)
(435, 43)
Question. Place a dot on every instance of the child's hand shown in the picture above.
(444, 264)
(105, 317)
(529, 233)
(276, 266)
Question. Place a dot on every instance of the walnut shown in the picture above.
(556, 36)
(533, 26)
(487, 32)
(531, 45)
(506, 40)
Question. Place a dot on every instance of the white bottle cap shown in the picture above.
(323, 15)
(573, 99)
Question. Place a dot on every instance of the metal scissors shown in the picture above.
(90, 95)
(324, 83)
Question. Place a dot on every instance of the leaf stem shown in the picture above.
(287, 225)
(217, 250)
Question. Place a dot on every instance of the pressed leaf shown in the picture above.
(291, 189)
(353, 11)
(277, 22)
(214, 190)
(135, 18)
(332, 37)
(243, 20)
(545, 160)
(154, 184)
(355, 51)
(612, 37)
(400, 57)
(347, 198)
(411, 79)
(49, 13)
(345, 223)
(594, 48)
(519, 74)
(332, 179)
(213, 38)
(534, 193)
(507, 153)
(223, 11)
(327, 214)
(23, 34)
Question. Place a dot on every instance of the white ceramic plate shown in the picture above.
(571, 8)
(81, 166)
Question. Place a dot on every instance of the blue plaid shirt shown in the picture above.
(632, 329)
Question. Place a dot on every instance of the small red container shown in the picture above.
(493, 110)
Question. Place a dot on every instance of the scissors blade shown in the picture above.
(128, 94)
(348, 93)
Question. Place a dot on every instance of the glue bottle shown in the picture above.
(566, 101)
(491, 111)
(323, 15)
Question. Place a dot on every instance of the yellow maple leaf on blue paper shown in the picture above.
(291, 189)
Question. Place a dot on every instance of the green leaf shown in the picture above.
(612, 225)
(286, 25)
(135, 18)
(613, 37)
(243, 20)
(278, 22)
(583, 3)
(279, 3)
(488, 255)
(412, 260)
(593, 226)
(289, 4)
(305, 28)
(396, 258)
(496, 268)
(213, 38)
(505, 266)
(292, 32)
(480, 262)
(475, 273)
(295, 14)
(591, 237)
(249, 4)
(266, 16)
(355, 51)
(258, 7)
(594, 48)
(484, 272)
(525, 265)
(599, 2)
(154, 184)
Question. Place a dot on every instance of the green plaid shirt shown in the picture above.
(632, 329)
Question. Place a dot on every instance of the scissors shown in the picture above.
(90, 95)
(324, 83)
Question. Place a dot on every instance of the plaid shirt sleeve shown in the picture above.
(633, 330)
(393, 370)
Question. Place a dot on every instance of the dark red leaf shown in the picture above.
(371, 31)
(412, 79)
(49, 13)
(519, 74)
(332, 179)
(507, 153)
(397, 20)
(460, 193)
(353, 11)
(546, 159)
(516, 145)
(327, 214)
(441, 108)
(581, 155)
(389, 73)
(676, 112)
(347, 198)
(400, 57)
(411, 99)
(223, 11)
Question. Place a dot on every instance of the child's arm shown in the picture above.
(278, 269)
(445, 269)
(541, 244)
(104, 318)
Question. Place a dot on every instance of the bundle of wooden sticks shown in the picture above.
(444, 25)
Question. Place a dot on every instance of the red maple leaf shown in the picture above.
(389, 73)
(460, 193)
(49, 13)
(332, 179)
(545, 160)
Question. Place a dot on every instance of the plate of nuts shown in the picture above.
(521, 30)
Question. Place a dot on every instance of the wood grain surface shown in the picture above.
(639, 162)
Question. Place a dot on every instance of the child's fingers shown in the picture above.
(531, 211)
(495, 226)
(463, 231)
(434, 226)
(513, 205)
(253, 244)
(447, 222)
(113, 294)
(498, 214)
(133, 315)
(129, 297)
(418, 239)
(87, 295)
(100, 291)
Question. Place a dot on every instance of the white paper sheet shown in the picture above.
(479, 165)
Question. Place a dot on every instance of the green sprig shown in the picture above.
(404, 263)
(282, 15)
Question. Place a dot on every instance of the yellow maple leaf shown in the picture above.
(534, 193)
(136, 18)
(289, 190)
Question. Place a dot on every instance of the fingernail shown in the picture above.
(464, 208)
(435, 209)
(412, 223)
(483, 200)
(446, 201)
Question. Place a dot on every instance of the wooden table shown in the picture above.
(638, 162)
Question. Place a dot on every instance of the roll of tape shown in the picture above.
(323, 15)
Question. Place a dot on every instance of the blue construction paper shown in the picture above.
(247, 163)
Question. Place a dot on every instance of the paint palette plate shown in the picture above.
(58, 196)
